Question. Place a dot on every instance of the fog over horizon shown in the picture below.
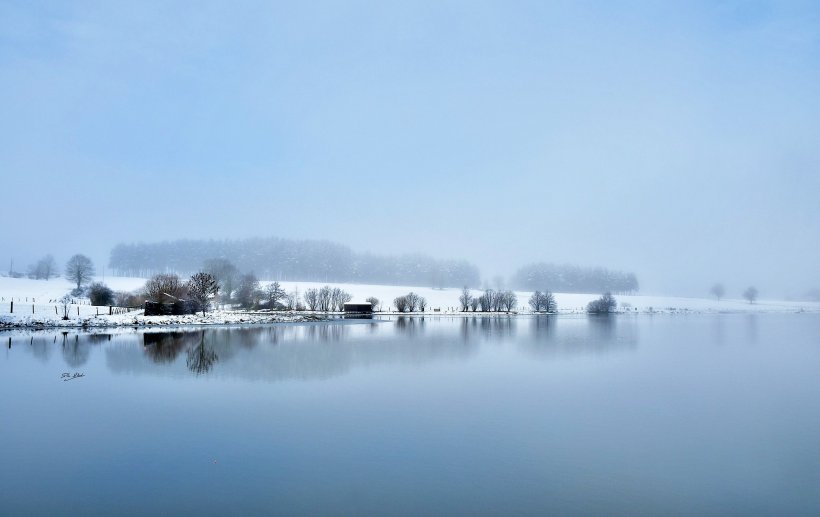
(678, 142)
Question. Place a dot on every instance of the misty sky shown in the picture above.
(676, 141)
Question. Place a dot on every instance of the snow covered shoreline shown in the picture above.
(35, 305)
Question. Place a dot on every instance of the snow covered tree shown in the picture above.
(274, 293)
(750, 294)
(164, 288)
(718, 291)
(201, 288)
(80, 270)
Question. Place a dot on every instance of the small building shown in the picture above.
(358, 309)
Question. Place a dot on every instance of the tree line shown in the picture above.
(566, 278)
(288, 259)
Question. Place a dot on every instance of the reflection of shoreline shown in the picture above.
(594, 334)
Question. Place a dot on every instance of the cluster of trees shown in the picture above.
(574, 279)
(326, 299)
(410, 302)
(718, 291)
(307, 260)
(543, 302)
(603, 305)
(489, 300)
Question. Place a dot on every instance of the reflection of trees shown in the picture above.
(201, 358)
(487, 327)
(602, 326)
(325, 332)
(164, 347)
(543, 326)
(410, 325)
(75, 351)
(553, 336)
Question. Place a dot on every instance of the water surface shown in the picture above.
(629, 415)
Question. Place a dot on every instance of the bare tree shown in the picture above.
(412, 301)
(312, 298)
(422, 303)
(373, 301)
(465, 299)
(507, 300)
(474, 303)
(400, 303)
(274, 293)
(341, 298)
(164, 288)
(80, 270)
(536, 301)
(750, 294)
(325, 296)
(292, 299)
(718, 291)
(543, 302)
(201, 287)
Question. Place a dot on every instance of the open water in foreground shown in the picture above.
(628, 415)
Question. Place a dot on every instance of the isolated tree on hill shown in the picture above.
(274, 293)
(718, 291)
(80, 270)
(100, 294)
(750, 294)
(164, 288)
(465, 299)
(201, 287)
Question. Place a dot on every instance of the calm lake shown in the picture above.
(626, 415)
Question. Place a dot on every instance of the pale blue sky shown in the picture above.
(679, 140)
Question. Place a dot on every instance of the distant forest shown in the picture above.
(573, 279)
(285, 259)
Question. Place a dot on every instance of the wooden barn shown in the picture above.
(358, 309)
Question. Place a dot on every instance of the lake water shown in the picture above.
(626, 415)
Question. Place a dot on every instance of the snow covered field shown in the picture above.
(36, 302)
